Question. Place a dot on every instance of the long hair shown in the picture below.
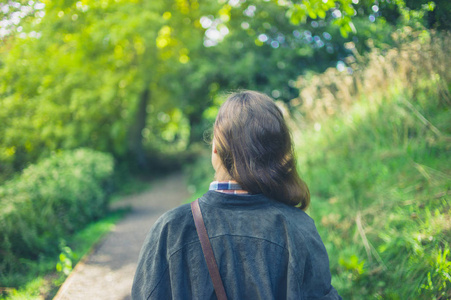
(254, 145)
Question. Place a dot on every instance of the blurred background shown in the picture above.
(97, 97)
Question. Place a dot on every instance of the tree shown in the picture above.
(86, 79)
(87, 73)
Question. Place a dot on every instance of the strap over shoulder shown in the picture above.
(208, 251)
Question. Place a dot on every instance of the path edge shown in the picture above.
(81, 263)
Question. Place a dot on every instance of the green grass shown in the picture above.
(43, 281)
(380, 177)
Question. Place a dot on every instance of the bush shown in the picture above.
(49, 201)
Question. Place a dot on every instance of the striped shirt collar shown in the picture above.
(228, 187)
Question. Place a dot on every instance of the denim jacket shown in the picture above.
(264, 250)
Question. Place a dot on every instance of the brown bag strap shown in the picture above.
(208, 251)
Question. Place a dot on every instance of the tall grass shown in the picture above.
(374, 146)
(420, 59)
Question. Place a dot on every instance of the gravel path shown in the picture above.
(107, 273)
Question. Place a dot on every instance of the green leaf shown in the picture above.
(59, 268)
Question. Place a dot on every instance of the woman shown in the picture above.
(265, 245)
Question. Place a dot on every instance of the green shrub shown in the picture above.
(49, 201)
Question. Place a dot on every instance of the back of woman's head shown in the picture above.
(254, 145)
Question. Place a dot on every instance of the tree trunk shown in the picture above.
(136, 147)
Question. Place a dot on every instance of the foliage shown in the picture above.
(133, 78)
(66, 258)
(373, 147)
(40, 281)
(417, 56)
(432, 14)
(342, 11)
(49, 201)
(92, 83)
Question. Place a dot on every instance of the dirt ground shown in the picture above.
(107, 273)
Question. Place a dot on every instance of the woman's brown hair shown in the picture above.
(254, 145)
